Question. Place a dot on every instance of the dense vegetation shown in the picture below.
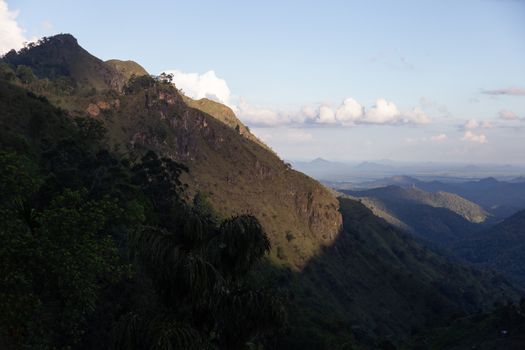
(98, 251)
(501, 247)
(502, 328)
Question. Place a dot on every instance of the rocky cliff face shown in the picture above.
(228, 163)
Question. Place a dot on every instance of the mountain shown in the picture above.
(225, 115)
(61, 57)
(373, 167)
(349, 275)
(399, 180)
(127, 68)
(439, 217)
(501, 247)
(381, 283)
(499, 198)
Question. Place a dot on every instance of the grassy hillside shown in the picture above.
(127, 68)
(225, 115)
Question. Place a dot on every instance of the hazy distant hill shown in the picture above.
(440, 217)
(499, 198)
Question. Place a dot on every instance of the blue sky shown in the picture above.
(422, 80)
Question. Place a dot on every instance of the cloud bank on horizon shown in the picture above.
(348, 113)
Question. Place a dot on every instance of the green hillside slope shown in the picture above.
(501, 247)
(439, 217)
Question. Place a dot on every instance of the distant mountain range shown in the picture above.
(355, 172)
(451, 222)
(499, 198)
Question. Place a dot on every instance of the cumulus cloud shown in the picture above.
(326, 115)
(471, 124)
(516, 91)
(486, 125)
(11, 35)
(206, 85)
(473, 137)
(349, 113)
(383, 112)
(509, 115)
(439, 138)
(257, 115)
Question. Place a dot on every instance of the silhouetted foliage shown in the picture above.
(97, 252)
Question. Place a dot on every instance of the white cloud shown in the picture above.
(414, 116)
(508, 115)
(206, 85)
(349, 113)
(487, 125)
(383, 112)
(473, 137)
(256, 115)
(516, 91)
(326, 115)
(439, 138)
(471, 124)
(11, 35)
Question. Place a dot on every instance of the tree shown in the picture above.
(199, 270)
(25, 74)
(68, 258)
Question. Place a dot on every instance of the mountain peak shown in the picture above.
(489, 180)
(61, 56)
(319, 160)
(64, 39)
